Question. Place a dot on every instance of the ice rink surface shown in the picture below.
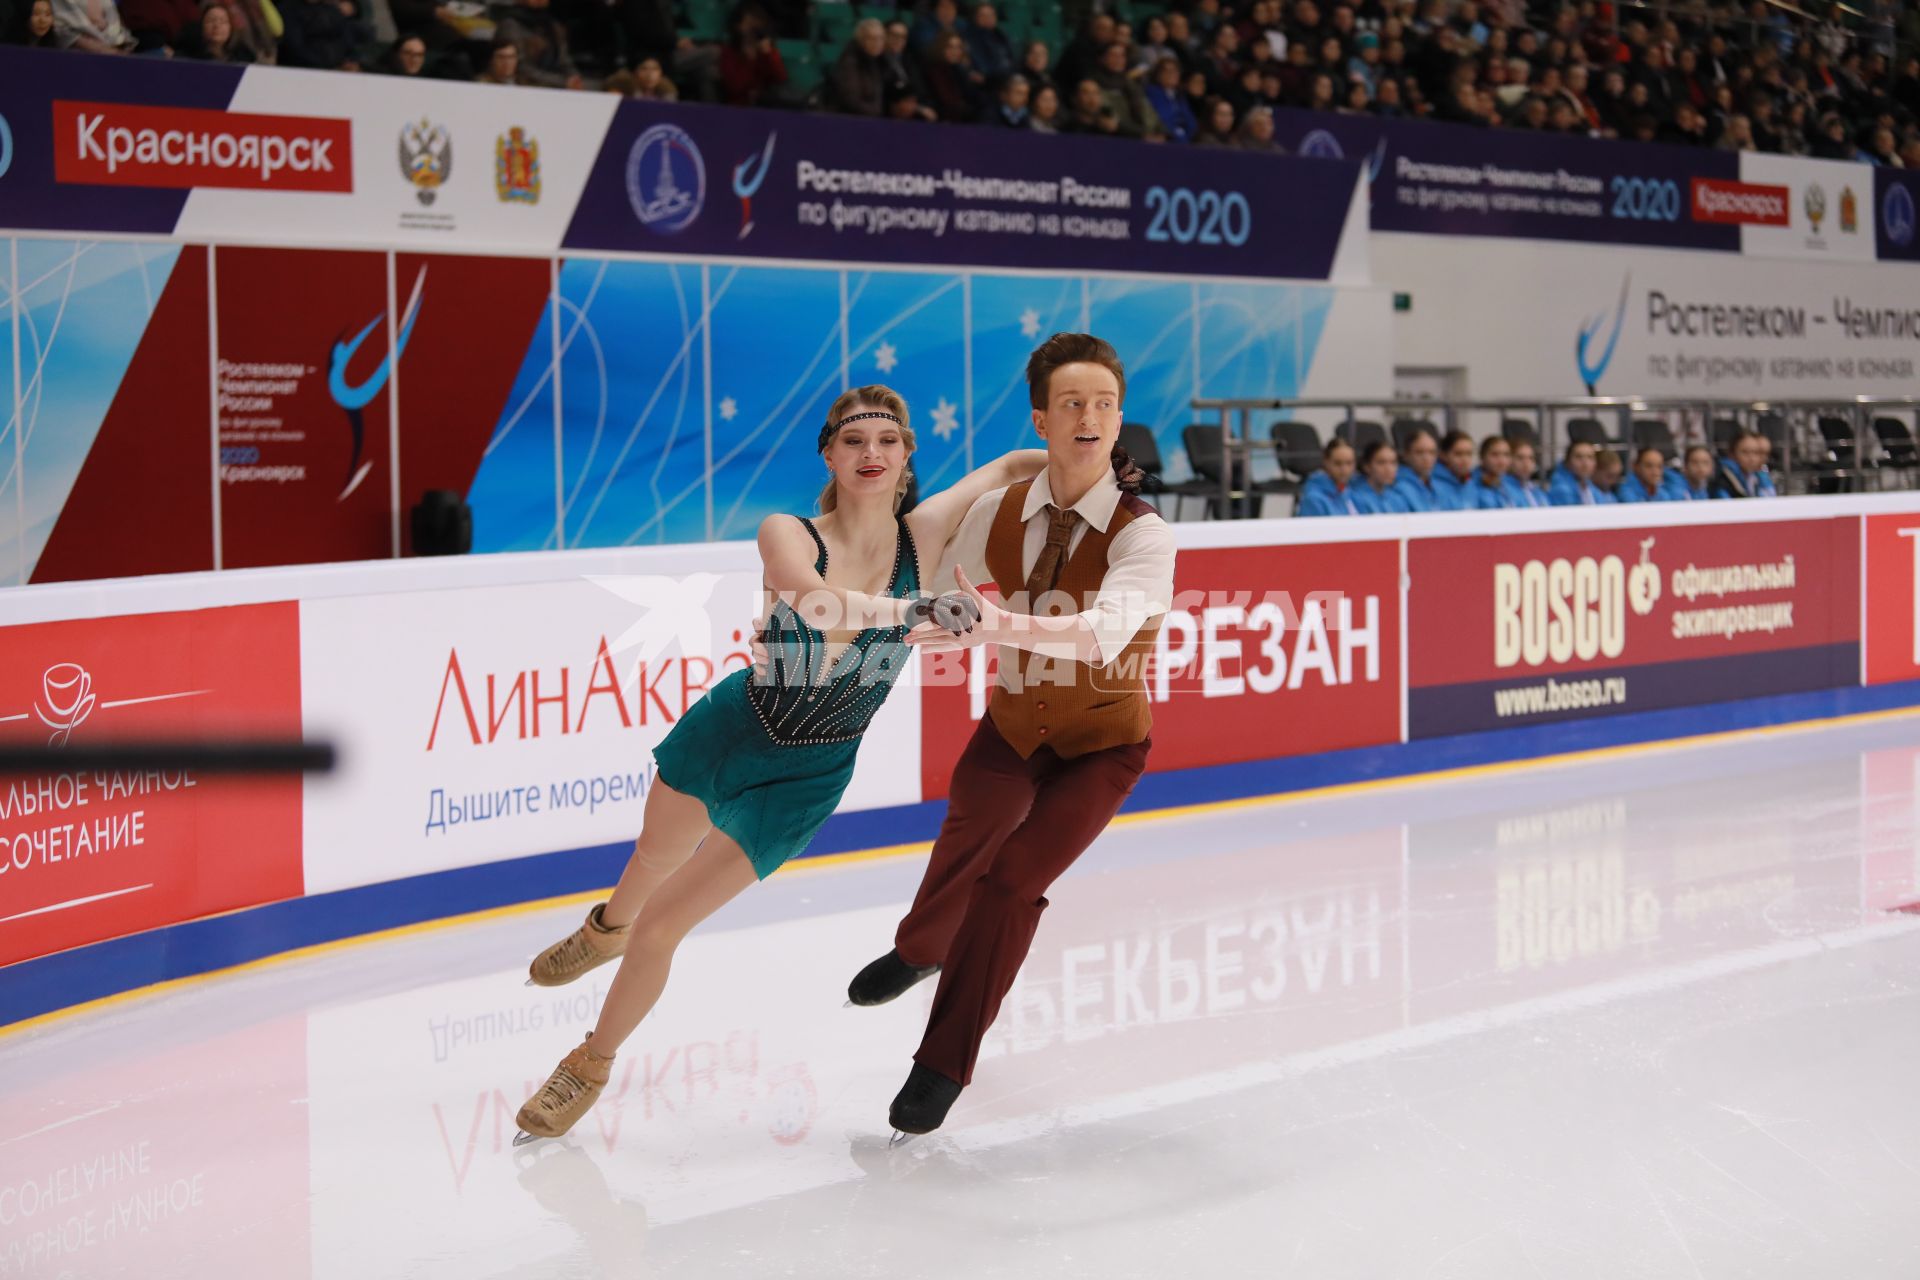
(1648, 1015)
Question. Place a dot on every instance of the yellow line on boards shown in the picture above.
(832, 861)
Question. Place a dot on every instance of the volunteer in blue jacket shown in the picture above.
(1573, 479)
(1651, 481)
(1522, 476)
(1377, 490)
(1745, 475)
(1696, 474)
(1330, 490)
(1488, 489)
(1608, 470)
(1455, 473)
(1416, 479)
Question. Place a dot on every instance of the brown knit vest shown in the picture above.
(1072, 707)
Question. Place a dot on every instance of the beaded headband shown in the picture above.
(826, 432)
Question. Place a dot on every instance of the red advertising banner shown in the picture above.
(124, 145)
(1892, 637)
(1268, 651)
(305, 463)
(92, 855)
(1752, 203)
(1529, 629)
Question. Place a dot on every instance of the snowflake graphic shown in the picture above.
(944, 421)
(886, 357)
(1030, 323)
(729, 410)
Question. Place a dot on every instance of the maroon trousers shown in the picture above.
(1012, 827)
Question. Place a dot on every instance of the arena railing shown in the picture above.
(1809, 453)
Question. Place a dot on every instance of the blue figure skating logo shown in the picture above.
(666, 179)
(1591, 371)
(354, 398)
(6, 147)
(1896, 213)
(1321, 145)
(747, 177)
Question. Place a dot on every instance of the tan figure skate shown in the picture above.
(567, 1095)
(583, 950)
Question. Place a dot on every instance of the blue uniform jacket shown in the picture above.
(1318, 497)
(1568, 492)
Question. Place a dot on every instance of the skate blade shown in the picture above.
(847, 1005)
(522, 1138)
(532, 983)
(900, 1139)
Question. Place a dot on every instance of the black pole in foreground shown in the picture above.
(233, 757)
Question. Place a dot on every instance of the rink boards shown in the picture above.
(495, 715)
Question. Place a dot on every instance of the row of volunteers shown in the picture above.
(1456, 475)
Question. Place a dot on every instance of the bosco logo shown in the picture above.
(1562, 610)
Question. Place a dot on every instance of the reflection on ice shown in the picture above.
(1641, 1016)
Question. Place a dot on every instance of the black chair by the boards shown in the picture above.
(1588, 431)
(1520, 431)
(1296, 450)
(1141, 445)
(1654, 433)
(1898, 449)
(1360, 433)
(1405, 429)
(1204, 455)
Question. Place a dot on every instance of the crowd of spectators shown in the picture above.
(1837, 81)
(1497, 473)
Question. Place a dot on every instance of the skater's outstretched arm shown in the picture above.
(936, 519)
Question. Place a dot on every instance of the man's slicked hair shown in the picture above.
(1070, 348)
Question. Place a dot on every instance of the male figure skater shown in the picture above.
(1086, 571)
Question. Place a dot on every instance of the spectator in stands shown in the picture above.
(1573, 479)
(650, 82)
(35, 29)
(1416, 479)
(406, 57)
(503, 64)
(1744, 474)
(752, 72)
(1216, 124)
(1155, 45)
(1488, 489)
(1737, 136)
(1080, 57)
(1330, 491)
(1608, 470)
(1036, 64)
(1451, 478)
(857, 85)
(1044, 116)
(988, 49)
(955, 90)
(1089, 113)
(91, 26)
(158, 24)
(1696, 474)
(211, 39)
(900, 65)
(1123, 96)
(936, 23)
(1013, 110)
(433, 22)
(323, 34)
(1169, 101)
(1650, 481)
(542, 40)
(1256, 133)
(1380, 494)
(1521, 476)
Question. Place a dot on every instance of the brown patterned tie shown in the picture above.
(1046, 570)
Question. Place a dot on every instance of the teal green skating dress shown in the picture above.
(770, 758)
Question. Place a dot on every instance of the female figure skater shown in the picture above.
(753, 769)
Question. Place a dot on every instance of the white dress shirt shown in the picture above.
(1139, 582)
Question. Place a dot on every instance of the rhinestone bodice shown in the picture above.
(801, 700)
